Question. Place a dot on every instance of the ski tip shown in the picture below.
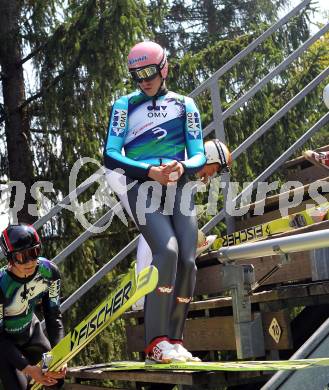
(206, 245)
(149, 277)
(218, 243)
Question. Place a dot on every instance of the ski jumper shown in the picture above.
(21, 335)
(154, 131)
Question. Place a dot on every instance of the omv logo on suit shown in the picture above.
(119, 122)
(193, 125)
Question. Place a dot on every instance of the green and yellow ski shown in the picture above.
(255, 365)
(130, 289)
(280, 225)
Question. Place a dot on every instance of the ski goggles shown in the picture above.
(144, 74)
(26, 255)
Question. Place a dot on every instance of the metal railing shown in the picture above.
(271, 169)
(216, 124)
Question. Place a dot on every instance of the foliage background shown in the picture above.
(76, 55)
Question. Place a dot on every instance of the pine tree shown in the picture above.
(17, 130)
(76, 55)
(191, 26)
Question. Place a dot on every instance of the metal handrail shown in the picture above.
(279, 114)
(275, 246)
(283, 65)
(243, 53)
(65, 201)
(271, 169)
(103, 220)
(99, 274)
(68, 198)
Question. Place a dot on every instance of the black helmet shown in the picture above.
(19, 238)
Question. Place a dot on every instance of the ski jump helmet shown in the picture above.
(145, 58)
(217, 152)
(20, 238)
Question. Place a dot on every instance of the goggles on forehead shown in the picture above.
(148, 73)
(26, 255)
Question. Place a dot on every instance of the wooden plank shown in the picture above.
(77, 386)
(277, 295)
(135, 338)
(318, 289)
(298, 269)
(200, 379)
(208, 280)
(216, 333)
(291, 292)
(307, 174)
(176, 377)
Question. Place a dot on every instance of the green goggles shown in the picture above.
(144, 74)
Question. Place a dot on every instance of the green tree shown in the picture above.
(76, 53)
(191, 26)
(191, 69)
(17, 130)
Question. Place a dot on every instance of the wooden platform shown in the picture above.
(197, 380)
(216, 330)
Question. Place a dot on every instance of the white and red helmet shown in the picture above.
(145, 54)
(217, 152)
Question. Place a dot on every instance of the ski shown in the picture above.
(130, 289)
(255, 365)
(279, 225)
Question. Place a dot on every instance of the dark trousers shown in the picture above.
(13, 379)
